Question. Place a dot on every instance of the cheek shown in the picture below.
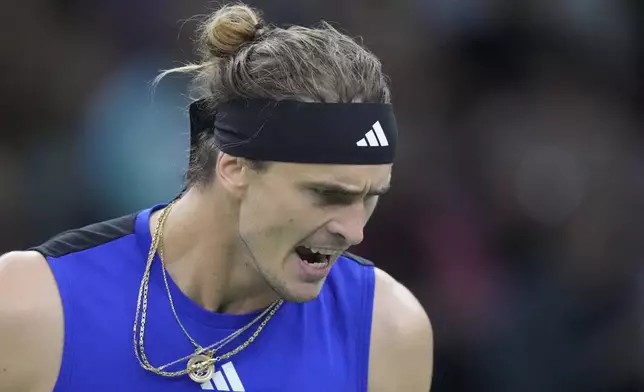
(273, 224)
(283, 211)
(278, 217)
(370, 207)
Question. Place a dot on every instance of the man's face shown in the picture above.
(296, 219)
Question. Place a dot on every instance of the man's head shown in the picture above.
(286, 210)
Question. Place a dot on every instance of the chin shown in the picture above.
(301, 292)
(297, 282)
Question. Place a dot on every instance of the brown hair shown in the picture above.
(242, 58)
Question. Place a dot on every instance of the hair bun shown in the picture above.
(229, 29)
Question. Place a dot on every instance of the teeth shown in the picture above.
(328, 252)
(319, 265)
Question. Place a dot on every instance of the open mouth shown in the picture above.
(315, 257)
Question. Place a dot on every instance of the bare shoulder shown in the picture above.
(401, 357)
(31, 323)
(400, 308)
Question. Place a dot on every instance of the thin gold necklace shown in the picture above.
(200, 366)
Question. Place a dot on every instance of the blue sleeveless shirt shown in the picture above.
(321, 345)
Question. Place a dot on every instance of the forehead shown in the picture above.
(363, 176)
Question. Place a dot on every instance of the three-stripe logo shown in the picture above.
(225, 379)
(374, 138)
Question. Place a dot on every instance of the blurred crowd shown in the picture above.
(517, 201)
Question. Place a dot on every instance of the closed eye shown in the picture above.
(331, 197)
(330, 194)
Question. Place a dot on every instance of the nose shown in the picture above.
(349, 224)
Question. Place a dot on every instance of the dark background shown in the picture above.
(516, 211)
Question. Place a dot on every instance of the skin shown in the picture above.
(230, 246)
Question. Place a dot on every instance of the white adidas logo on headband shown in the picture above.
(374, 138)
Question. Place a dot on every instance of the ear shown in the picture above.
(232, 174)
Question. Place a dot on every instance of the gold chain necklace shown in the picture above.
(200, 365)
(219, 344)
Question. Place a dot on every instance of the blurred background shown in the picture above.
(516, 212)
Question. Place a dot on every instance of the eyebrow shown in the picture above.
(343, 190)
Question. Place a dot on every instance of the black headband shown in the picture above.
(302, 132)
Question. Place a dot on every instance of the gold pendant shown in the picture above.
(199, 368)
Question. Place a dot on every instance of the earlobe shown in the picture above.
(232, 173)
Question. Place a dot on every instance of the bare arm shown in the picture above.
(401, 356)
(31, 324)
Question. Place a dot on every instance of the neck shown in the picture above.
(203, 255)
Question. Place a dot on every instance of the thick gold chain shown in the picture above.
(141, 313)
